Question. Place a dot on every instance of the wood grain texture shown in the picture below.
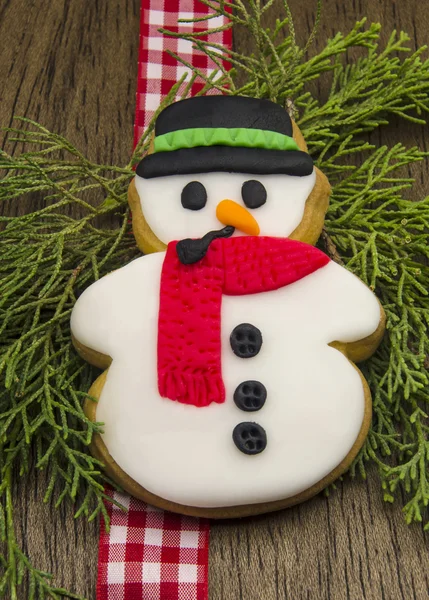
(73, 66)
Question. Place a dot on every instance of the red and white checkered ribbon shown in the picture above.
(150, 554)
(157, 70)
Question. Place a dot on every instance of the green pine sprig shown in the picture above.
(49, 255)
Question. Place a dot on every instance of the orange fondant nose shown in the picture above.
(230, 213)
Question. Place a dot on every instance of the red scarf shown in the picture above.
(189, 322)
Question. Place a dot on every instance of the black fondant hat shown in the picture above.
(224, 133)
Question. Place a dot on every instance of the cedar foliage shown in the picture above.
(49, 256)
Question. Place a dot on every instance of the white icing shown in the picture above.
(165, 215)
(315, 404)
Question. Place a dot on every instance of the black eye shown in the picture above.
(194, 196)
(253, 193)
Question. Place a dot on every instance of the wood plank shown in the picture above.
(348, 546)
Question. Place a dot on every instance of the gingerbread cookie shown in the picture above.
(230, 386)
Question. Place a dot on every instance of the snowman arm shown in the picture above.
(364, 348)
(109, 313)
(94, 316)
(354, 311)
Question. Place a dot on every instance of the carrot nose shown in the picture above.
(230, 213)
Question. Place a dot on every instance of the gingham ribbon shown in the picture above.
(157, 70)
(150, 554)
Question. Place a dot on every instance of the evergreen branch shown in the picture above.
(49, 258)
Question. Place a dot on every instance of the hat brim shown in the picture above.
(227, 159)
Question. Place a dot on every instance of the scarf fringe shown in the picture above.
(191, 388)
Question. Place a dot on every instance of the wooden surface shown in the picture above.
(72, 66)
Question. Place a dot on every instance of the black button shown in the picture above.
(246, 340)
(250, 396)
(249, 438)
(253, 193)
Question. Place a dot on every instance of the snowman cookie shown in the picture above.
(230, 387)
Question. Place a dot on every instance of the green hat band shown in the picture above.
(220, 136)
